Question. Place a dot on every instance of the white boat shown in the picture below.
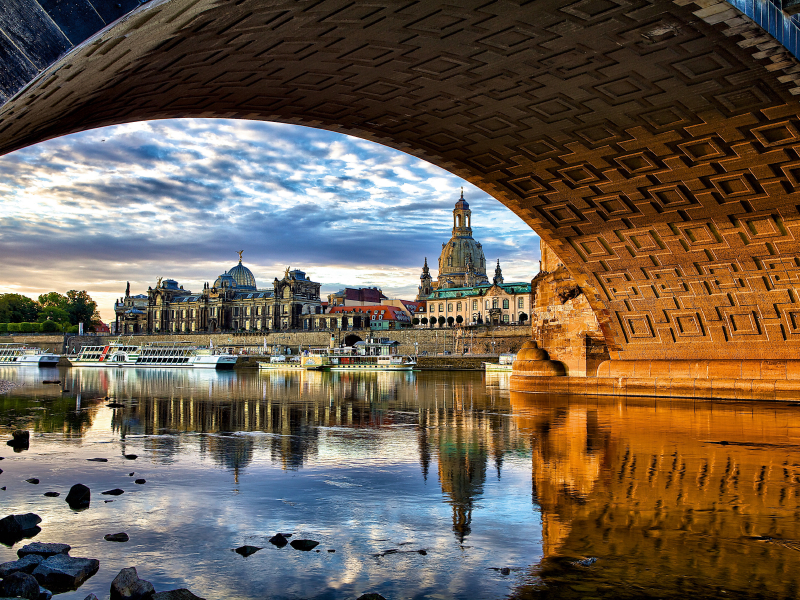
(280, 363)
(17, 354)
(155, 354)
(374, 355)
(505, 364)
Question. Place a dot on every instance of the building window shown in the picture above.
(441, 307)
(449, 307)
(505, 318)
(474, 305)
(494, 303)
(505, 302)
(458, 307)
(521, 303)
(285, 309)
(236, 311)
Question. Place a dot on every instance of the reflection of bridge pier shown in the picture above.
(669, 494)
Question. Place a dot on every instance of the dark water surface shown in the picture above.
(509, 495)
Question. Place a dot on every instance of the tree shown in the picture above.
(16, 308)
(53, 313)
(82, 309)
(53, 300)
(50, 327)
(459, 319)
(415, 321)
(424, 320)
(441, 321)
(450, 321)
(523, 317)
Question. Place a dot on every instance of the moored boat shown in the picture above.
(154, 354)
(19, 354)
(374, 355)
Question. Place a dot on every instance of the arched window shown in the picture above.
(449, 261)
(487, 304)
(458, 307)
(458, 220)
(505, 302)
(441, 307)
(494, 303)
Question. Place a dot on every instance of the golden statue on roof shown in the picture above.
(286, 275)
(239, 252)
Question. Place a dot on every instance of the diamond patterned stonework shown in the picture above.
(654, 145)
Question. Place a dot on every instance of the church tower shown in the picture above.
(498, 274)
(425, 282)
(462, 257)
(462, 218)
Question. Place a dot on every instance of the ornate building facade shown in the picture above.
(232, 303)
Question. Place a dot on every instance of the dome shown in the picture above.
(455, 258)
(225, 279)
(243, 276)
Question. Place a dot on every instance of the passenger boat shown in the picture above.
(374, 355)
(291, 363)
(155, 354)
(505, 364)
(16, 354)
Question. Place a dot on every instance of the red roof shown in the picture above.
(378, 313)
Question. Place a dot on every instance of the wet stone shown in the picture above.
(14, 528)
(45, 550)
(247, 550)
(114, 492)
(304, 545)
(116, 537)
(278, 540)
(140, 481)
(20, 585)
(97, 459)
(180, 594)
(19, 439)
(128, 586)
(371, 596)
(23, 565)
(33, 480)
(131, 456)
(61, 573)
(52, 494)
(79, 496)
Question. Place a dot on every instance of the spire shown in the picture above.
(425, 270)
(498, 274)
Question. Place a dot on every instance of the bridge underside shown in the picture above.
(654, 145)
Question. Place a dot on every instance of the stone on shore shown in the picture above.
(45, 550)
(304, 545)
(33, 480)
(116, 537)
(180, 594)
(21, 438)
(91, 597)
(13, 528)
(131, 456)
(97, 459)
(20, 585)
(114, 492)
(140, 481)
(371, 596)
(278, 540)
(128, 586)
(23, 565)
(61, 573)
(79, 496)
(247, 550)
(52, 494)
(45, 594)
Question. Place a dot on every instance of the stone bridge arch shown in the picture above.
(654, 145)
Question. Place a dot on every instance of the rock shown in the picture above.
(33, 480)
(304, 545)
(45, 550)
(247, 550)
(114, 492)
(131, 474)
(116, 537)
(371, 596)
(14, 528)
(20, 585)
(278, 540)
(140, 481)
(91, 597)
(79, 496)
(97, 459)
(423, 552)
(52, 494)
(131, 456)
(23, 565)
(45, 594)
(61, 573)
(505, 571)
(181, 594)
(128, 586)
(331, 550)
(20, 438)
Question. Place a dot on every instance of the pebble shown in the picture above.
(52, 494)
(131, 456)
(114, 492)
(140, 481)
(97, 459)
(33, 480)
(116, 537)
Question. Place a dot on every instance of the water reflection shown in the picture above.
(672, 498)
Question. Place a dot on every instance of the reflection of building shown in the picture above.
(232, 303)
(462, 293)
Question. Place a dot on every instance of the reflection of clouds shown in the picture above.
(354, 203)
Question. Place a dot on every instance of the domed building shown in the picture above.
(461, 263)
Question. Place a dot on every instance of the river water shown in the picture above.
(416, 485)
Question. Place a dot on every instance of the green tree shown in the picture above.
(441, 321)
(450, 321)
(415, 321)
(13, 328)
(50, 327)
(523, 317)
(3, 327)
(16, 308)
(53, 313)
(424, 320)
(459, 319)
(81, 309)
(53, 300)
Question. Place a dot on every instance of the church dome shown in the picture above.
(226, 280)
(243, 276)
(459, 256)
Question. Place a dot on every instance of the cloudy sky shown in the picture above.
(177, 198)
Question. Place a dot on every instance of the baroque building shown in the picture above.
(232, 303)
(462, 292)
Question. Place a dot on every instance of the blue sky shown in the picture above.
(177, 198)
